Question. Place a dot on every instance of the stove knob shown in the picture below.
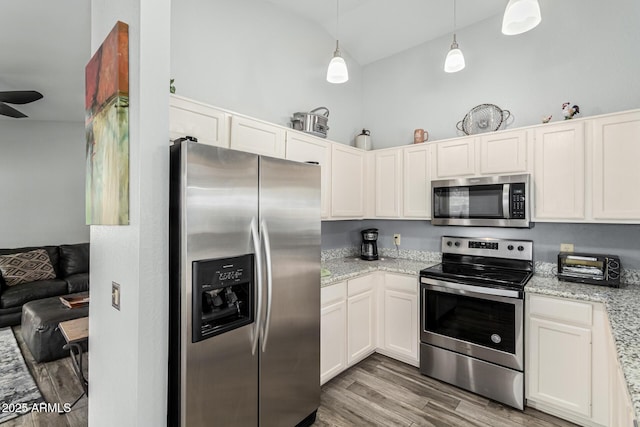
(449, 243)
(521, 248)
(510, 247)
(457, 244)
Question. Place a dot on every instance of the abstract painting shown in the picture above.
(107, 128)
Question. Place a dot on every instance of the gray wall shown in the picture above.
(615, 239)
(584, 52)
(257, 59)
(42, 191)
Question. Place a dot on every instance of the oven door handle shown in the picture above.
(470, 290)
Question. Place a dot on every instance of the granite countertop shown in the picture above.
(347, 268)
(623, 309)
(622, 304)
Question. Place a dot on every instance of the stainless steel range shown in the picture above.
(472, 316)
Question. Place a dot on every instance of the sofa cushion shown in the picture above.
(54, 257)
(74, 259)
(26, 267)
(78, 282)
(17, 295)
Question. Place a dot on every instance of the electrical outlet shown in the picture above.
(566, 247)
(396, 239)
(115, 295)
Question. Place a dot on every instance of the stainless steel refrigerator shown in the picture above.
(244, 330)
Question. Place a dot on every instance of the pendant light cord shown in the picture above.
(454, 18)
(337, 20)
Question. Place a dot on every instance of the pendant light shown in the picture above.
(337, 71)
(455, 58)
(520, 16)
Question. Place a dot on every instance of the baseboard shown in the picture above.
(399, 357)
(565, 415)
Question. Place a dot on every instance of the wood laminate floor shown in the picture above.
(380, 391)
(58, 384)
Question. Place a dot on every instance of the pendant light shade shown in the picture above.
(337, 71)
(455, 59)
(520, 16)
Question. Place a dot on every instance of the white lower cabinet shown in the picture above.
(567, 362)
(361, 318)
(333, 331)
(374, 312)
(398, 317)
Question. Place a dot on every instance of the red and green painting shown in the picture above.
(107, 128)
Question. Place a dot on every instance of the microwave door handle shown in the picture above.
(506, 192)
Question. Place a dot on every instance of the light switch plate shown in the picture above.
(566, 247)
(115, 295)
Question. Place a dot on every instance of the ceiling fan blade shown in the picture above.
(20, 96)
(5, 110)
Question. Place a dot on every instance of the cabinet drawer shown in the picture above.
(333, 293)
(561, 309)
(360, 284)
(402, 283)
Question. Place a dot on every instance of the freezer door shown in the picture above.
(219, 200)
(290, 346)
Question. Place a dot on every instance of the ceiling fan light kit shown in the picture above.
(520, 16)
(455, 59)
(337, 71)
(16, 97)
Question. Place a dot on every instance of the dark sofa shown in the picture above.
(71, 265)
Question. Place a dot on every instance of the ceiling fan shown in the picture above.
(16, 97)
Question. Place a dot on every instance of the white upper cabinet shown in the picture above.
(388, 179)
(455, 158)
(305, 148)
(616, 172)
(192, 118)
(347, 184)
(503, 152)
(559, 174)
(254, 136)
(416, 182)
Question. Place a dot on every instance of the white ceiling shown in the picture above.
(370, 30)
(46, 44)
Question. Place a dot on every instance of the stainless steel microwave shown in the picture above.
(495, 201)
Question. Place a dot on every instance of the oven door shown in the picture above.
(468, 320)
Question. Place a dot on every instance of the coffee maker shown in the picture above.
(369, 246)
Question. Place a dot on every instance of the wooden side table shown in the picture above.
(75, 332)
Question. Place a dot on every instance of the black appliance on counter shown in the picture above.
(369, 246)
(592, 269)
(472, 316)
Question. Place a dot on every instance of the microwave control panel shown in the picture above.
(517, 196)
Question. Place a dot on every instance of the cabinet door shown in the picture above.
(455, 158)
(257, 137)
(303, 148)
(560, 365)
(416, 182)
(616, 175)
(333, 331)
(401, 317)
(347, 186)
(503, 152)
(191, 118)
(388, 178)
(559, 171)
(361, 326)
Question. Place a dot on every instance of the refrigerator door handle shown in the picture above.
(267, 256)
(255, 237)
